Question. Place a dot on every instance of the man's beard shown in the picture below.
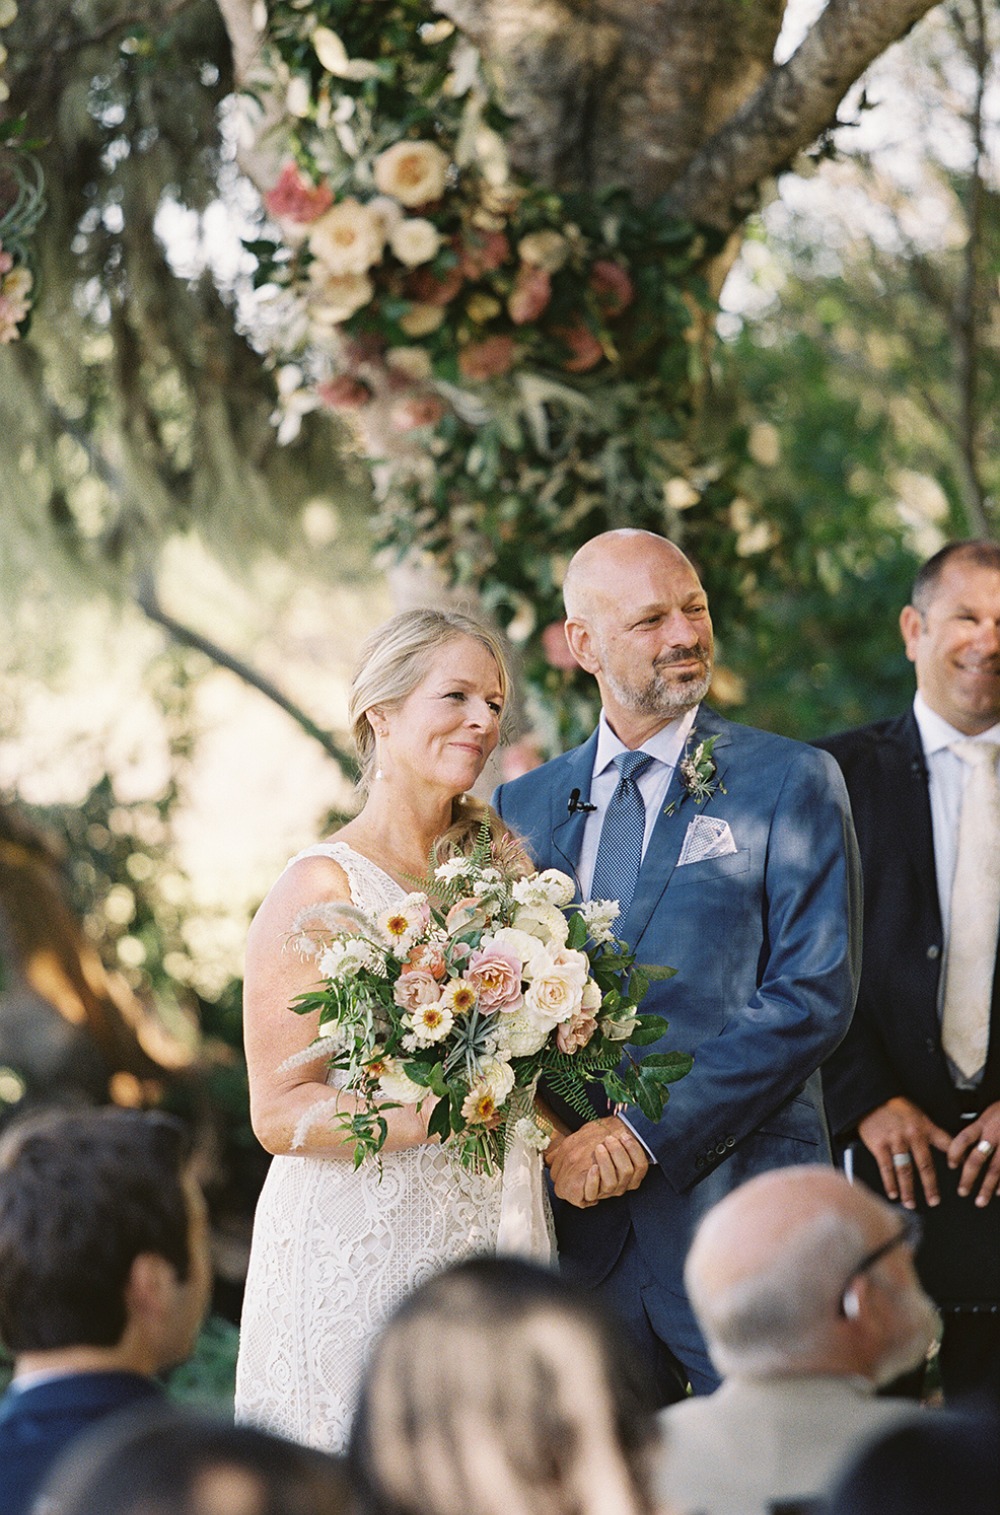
(917, 1328)
(657, 697)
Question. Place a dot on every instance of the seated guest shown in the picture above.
(156, 1459)
(938, 1464)
(104, 1276)
(497, 1388)
(805, 1289)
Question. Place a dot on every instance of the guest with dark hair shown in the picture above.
(936, 1465)
(498, 1389)
(104, 1276)
(158, 1460)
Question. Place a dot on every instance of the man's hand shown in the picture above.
(603, 1159)
(976, 1149)
(900, 1136)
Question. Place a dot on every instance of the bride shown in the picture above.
(335, 1250)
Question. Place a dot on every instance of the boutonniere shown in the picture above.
(699, 774)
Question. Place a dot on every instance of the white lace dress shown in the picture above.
(335, 1251)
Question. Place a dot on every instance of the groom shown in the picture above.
(733, 854)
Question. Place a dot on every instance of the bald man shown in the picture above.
(807, 1294)
(734, 856)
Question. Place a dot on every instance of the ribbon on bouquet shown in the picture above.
(525, 1228)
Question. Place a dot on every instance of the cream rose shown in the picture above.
(543, 921)
(348, 238)
(414, 240)
(555, 985)
(412, 172)
(334, 300)
(545, 249)
(420, 320)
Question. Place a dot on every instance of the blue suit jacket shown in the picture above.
(36, 1424)
(766, 943)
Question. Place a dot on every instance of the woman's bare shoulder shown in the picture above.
(306, 881)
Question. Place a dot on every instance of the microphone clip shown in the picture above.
(577, 806)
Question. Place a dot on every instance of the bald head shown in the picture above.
(598, 570)
(769, 1266)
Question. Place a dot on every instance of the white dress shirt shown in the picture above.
(665, 748)
(947, 775)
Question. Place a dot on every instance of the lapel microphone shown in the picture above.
(577, 806)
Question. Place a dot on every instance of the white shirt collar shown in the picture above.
(935, 732)
(666, 745)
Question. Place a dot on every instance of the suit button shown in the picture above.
(699, 1161)
(934, 952)
(730, 1141)
(720, 1150)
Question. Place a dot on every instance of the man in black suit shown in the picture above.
(104, 1276)
(917, 1079)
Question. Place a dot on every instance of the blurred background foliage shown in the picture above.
(848, 427)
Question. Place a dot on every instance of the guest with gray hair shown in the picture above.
(805, 1289)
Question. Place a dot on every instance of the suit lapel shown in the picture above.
(901, 757)
(668, 832)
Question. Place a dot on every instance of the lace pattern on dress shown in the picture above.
(335, 1251)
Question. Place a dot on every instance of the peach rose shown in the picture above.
(575, 1033)
(415, 987)
(430, 957)
(489, 359)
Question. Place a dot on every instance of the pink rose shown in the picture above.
(531, 293)
(482, 252)
(343, 393)
(497, 976)
(556, 647)
(575, 1033)
(586, 350)
(293, 199)
(612, 287)
(415, 987)
(488, 359)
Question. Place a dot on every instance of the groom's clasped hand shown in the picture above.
(601, 1160)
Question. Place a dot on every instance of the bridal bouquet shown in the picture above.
(470, 990)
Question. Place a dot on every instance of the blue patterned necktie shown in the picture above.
(619, 851)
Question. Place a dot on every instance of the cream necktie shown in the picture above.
(975, 910)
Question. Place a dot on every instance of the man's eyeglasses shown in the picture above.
(909, 1235)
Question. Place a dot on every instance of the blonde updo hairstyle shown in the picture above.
(393, 660)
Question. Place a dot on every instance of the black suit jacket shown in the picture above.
(894, 1044)
(36, 1425)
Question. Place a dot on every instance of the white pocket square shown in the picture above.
(706, 837)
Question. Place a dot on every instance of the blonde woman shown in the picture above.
(335, 1250)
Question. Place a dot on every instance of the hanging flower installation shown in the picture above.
(516, 361)
(22, 204)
